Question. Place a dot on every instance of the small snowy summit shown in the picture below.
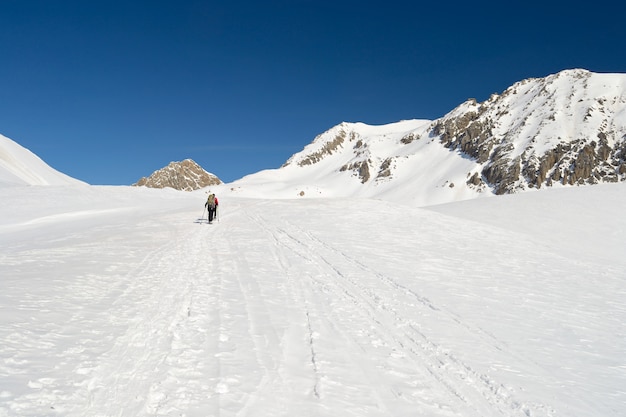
(369, 300)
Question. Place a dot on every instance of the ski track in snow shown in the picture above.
(372, 309)
(255, 315)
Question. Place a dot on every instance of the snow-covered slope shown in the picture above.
(359, 160)
(119, 301)
(566, 129)
(19, 166)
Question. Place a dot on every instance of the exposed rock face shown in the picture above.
(185, 176)
(337, 142)
(328, 149)
(542, 131)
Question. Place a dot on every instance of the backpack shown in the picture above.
(210, 203)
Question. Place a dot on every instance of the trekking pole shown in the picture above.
(217, 213)
(202, 217)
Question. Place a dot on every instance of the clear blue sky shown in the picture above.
(110, 91)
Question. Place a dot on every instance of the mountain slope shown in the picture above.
(565, 129)
(358, 160)
(19, 166)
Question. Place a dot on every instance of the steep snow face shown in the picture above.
(19, 166)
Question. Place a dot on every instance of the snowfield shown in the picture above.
(119, 301)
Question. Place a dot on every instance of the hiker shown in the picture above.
(211, 205)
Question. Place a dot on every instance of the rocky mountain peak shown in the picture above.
(567, 128)
(186, 175)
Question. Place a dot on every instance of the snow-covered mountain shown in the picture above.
(565, 129)
(122, 301)
(19, 166)
(186, 175)
(359, 160)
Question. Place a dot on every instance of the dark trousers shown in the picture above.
(212, 211)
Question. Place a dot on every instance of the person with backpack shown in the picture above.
(211, 205)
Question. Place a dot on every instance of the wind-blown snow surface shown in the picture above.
(117, 301)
